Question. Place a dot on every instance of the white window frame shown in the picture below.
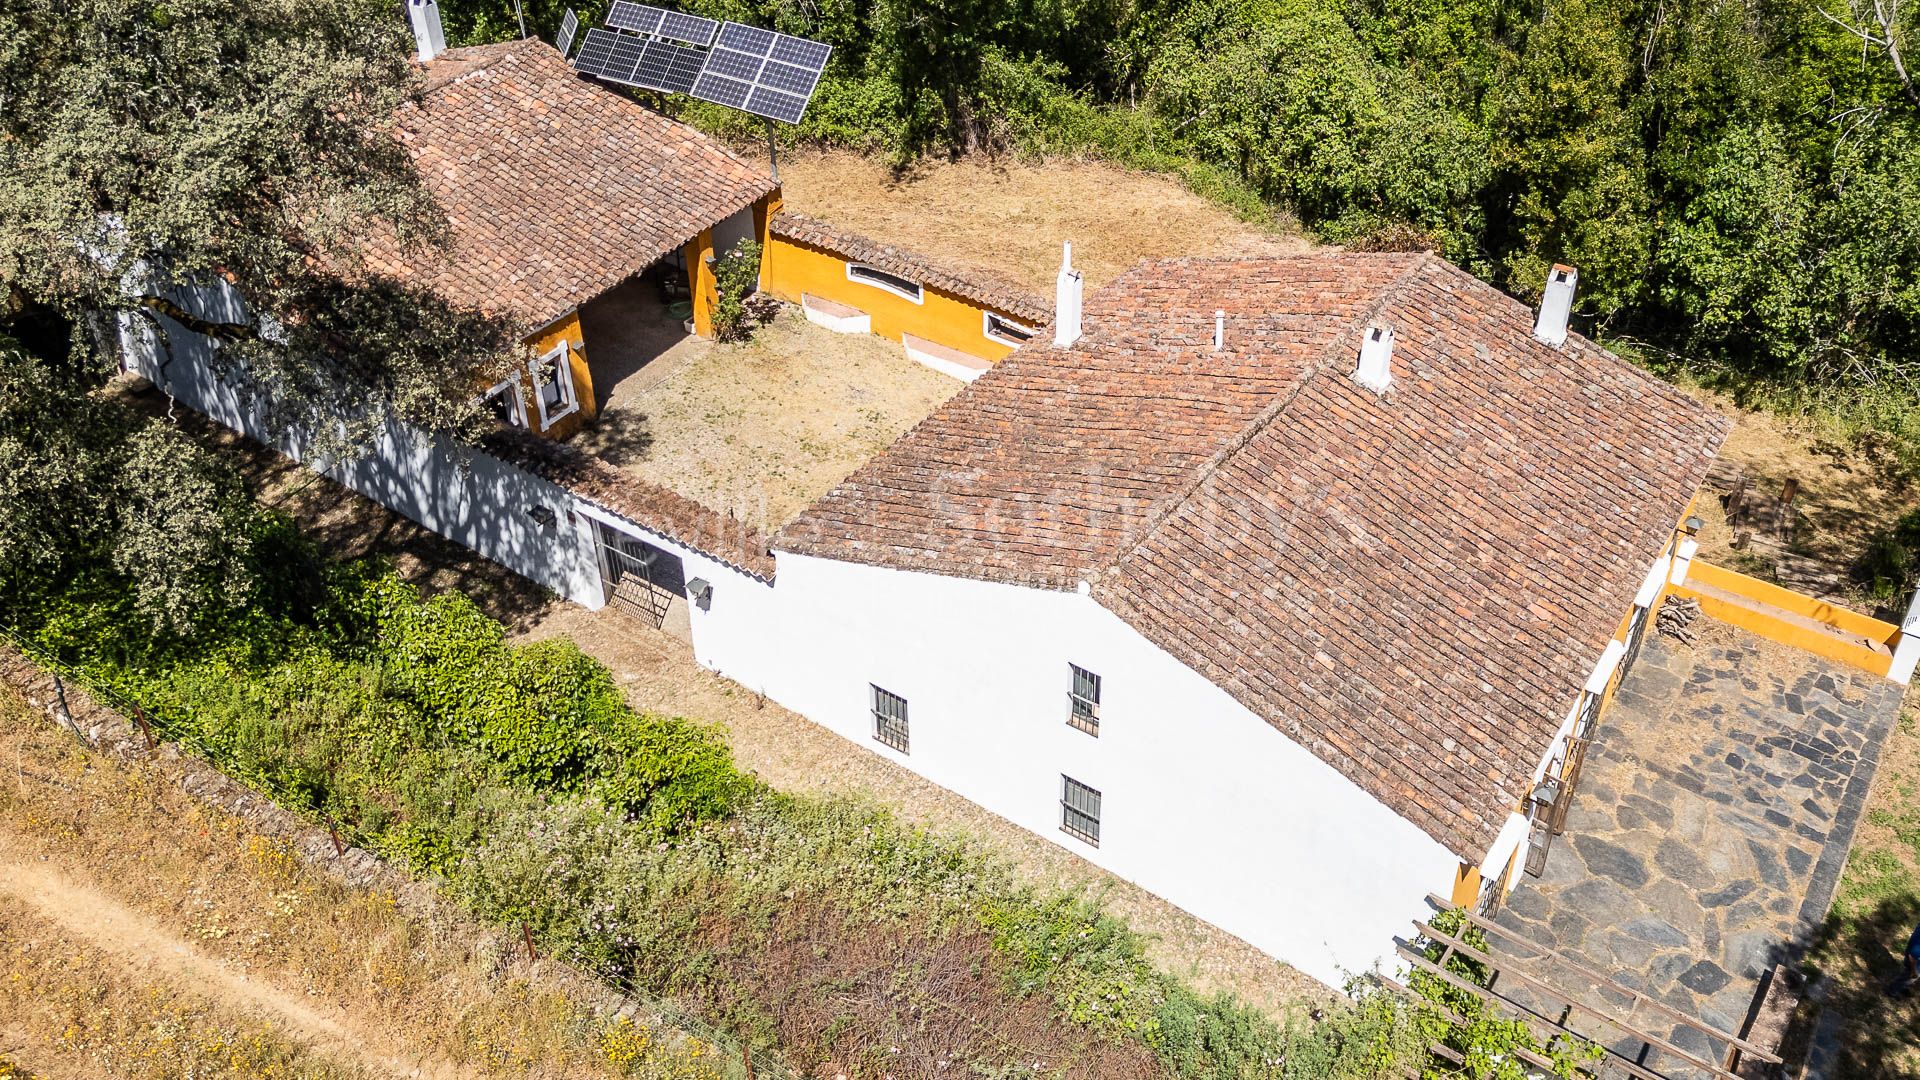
(562, 357)
(917, 296)
(516, 406)
(988, 318)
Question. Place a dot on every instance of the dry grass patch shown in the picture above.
(762, 428)
(1846, 497)
(1008, 217)
(142, 925)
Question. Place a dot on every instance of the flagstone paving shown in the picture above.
(1711, 823)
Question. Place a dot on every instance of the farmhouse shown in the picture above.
(1288, 588)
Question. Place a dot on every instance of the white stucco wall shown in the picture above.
(1204, 803)
(473, 499)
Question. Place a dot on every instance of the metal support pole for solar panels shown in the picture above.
(773, 154)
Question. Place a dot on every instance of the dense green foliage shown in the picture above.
(151, 148)
(1889, 569)
(632, 843)
(1738, 181)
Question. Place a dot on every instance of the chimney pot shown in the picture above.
(1067, 297)
(1376, 359)
(1219, 330)
(1556, 305)
(424, 15)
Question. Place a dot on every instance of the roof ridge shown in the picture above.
(1171, 504)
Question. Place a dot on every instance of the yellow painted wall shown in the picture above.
(1791, 631)
(789, 269)
(567, 329)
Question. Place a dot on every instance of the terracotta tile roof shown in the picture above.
(1413, 586)
(657, 509)
(994, 292)
(556, 188)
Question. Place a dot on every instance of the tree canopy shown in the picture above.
(1737, 180)
(151, 145)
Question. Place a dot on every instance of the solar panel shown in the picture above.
(593, 52)
(800, 52)
(779, 106)
(783, 71)
(791, 79)
(721, 90)
(742, 67)
(636, 17)
(691, 29)
(734, 65)
(669, 67)
(746, 39)
(569, 26)
(624, 57)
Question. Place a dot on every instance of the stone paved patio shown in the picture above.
(1711, 825)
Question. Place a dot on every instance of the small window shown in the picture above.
(1005, 331)
(503, 401)
(890, 719)
(1084, 700)
(880, 279)
(1079, 811)
(553, 391)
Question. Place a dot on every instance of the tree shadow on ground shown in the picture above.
(1856, 1029)
(348, 526)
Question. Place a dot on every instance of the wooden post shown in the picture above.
(526, 935)
(339, 849)
(146, 729)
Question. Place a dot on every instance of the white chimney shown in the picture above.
(1376, 359)
(1556, 305)
(425, 17)
(1067, 294)
(1219, 330)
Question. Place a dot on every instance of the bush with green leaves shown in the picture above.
(736, 278)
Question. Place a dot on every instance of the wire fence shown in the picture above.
(726, 1054)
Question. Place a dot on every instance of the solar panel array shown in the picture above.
(569, 26)
(743, 67)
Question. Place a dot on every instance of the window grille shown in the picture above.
(1079, 811)
(1005, 331)
(889, 719)
(880, 279)
(1084, 700)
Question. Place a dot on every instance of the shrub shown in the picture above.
(736, 278)
(1890, 567)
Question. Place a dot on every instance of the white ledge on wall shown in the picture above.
(944, 359)
(835, 316)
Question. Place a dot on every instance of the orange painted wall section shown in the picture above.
(1851, 622)
(566, 329)
(789, 269)
(1716, 581)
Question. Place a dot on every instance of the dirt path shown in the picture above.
(143, 943)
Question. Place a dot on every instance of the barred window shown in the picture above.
(889, 718)
(880, 279)
(1005, 331)
(1084, 700)
(1079, 811)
